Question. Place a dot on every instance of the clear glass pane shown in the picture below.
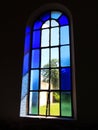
(46, 24)
(54, 36)
(34, 80)
(44, 58)
(54, 57)
(26, 64)
(37, 25)
(42, 102)
(35, 59)
(54, 23)
(66, 105)
(65, 79)
(33, 103)
(36, 39)
(64, 35)
(44, 79)
(24, 85)
(27, 43)
(45, 38)
(55, 14)
(65, 55)
(54, 79)
(63, 20)
(55, 103)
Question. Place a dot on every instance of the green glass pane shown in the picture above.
(42, 102)
(66, 106)
(54, 103)
(54, 79)
(33, 103)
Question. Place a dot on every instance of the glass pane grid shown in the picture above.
(50, 78)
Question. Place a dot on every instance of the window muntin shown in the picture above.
(50, 70)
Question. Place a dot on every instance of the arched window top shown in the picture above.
(54, 16)
(48, 68)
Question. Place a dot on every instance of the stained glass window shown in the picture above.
(47, 83)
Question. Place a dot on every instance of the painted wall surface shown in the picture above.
(13, 18)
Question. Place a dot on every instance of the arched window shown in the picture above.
(48, 80)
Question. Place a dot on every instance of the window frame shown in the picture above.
(32, 19)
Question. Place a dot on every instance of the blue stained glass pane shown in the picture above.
(63, 20)
(35, 59)
(36, 39)
(26, 64)
(34, 83)
(37, 25)
(65, 56)
(24, 86)
(64, 35)
(27, 29)
(45, 16)
(55, 14)
(27, 43)
(65, 78)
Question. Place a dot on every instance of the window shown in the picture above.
(48, 70)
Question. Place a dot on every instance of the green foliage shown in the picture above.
(56, 96)
(53, 74)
